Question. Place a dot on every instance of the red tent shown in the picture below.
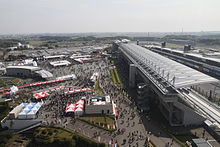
(41, 95)
(6, 93)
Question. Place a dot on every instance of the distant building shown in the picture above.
(163, 44)
(54, 57)
(60, 63)
(187, 48)
(28, 72)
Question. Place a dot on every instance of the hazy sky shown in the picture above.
(69, 16)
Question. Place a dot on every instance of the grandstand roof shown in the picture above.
(184, 75)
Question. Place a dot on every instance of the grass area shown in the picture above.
(113, 76)
(117, 76)
(16, 81)
(152, 144)
(36, 43)
(54, 136)
(4, 109)
(2, 83)
(6, 138)
(172, 45)
(99, 121)
(98, 89)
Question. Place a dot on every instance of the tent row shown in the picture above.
(76, 108)
(40, 95)
(78, 90)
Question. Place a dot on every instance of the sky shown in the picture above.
(76, 16)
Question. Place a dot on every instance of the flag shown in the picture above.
(110, 142)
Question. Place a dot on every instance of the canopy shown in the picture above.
(79, 105)
(41, 95)
(80, 102)
(70, 108)
(78, 90)
(14, 89)
(79, 111)
(6, 93)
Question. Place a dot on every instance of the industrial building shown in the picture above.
(28, 72)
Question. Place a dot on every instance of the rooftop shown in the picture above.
(60, 63)
(165, 67)
(191, 54)
(44, 74)
(99, 100)
(33, 68)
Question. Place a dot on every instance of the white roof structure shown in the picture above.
(44, 73)
(75, 56)
(82, 60)
(168, 69)
(67, 77)
(55, 56)
(32, 68)
(60, 63)
(99, 100)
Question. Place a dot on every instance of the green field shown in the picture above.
(98, 89)
(99, 121)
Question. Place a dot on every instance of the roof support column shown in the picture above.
(132, 71)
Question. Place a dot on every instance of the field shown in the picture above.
(100, 121)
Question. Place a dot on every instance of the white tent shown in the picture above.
(79, 105)
(80, 102)
(79, 111)
(14, 89)
(70, 109)
(35, 108)
(32, 114)
(27, 108)
(22, 115)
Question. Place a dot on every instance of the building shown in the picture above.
(166, 79)
(28, 72)
(54, 57)
(99, 104)
(60, 63)
(22, 117)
